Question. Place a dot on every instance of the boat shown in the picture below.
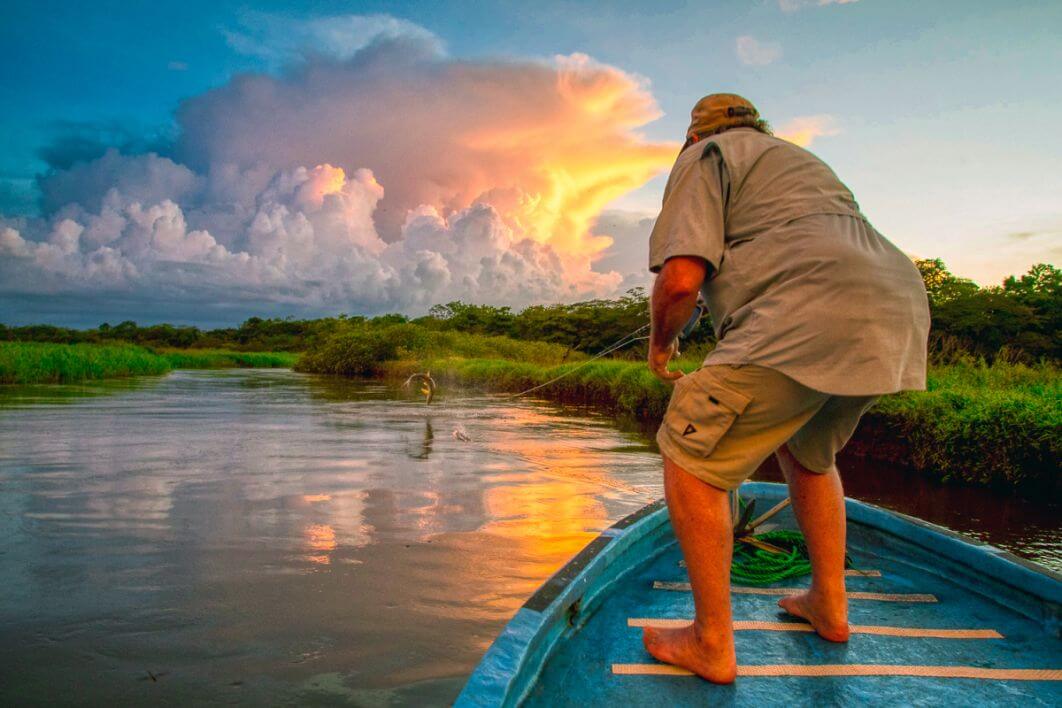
(937, 618)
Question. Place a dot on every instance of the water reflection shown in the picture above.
(265, 537)
(421, 451)
(62, 394)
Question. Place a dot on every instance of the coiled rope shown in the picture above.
(754, 565)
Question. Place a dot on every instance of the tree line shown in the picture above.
(1021, 319)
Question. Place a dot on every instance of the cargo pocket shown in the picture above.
(701, 412)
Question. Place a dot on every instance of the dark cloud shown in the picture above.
(74, 142)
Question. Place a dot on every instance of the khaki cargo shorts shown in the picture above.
(724, 421)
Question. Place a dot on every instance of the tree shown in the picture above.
(941, 285)
(1042, 280)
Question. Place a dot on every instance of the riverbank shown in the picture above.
(227, 359)
(36, 362)
(993, 425)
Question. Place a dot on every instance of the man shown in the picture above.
(816, 314)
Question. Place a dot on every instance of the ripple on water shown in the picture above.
(270, 537)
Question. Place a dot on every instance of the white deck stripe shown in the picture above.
(852, 595)
(754, 625)
(850, 572)
(970, 672)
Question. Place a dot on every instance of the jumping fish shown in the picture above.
(427, 387)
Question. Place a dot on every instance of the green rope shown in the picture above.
(755, 566)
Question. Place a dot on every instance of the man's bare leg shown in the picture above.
(700, 516)
(818, 502)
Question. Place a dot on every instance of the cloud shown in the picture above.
(281, 40)
(795, 5)
(71, 142)
(177, 65)
(753, 52)
(1046, 233)
(548, 144)
(1012, 249)
(803, 130)
(629, 232)
(391, 180)
(145, 178)
(305, 240)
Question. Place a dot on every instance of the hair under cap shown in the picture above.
(719, 111)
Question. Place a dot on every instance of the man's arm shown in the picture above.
(674, 297)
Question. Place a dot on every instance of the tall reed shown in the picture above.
(30, 362)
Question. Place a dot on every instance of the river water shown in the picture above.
(264, 537)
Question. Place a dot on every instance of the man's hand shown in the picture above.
(674, 298)
(659, 360)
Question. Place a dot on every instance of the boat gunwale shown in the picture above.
(501, 677)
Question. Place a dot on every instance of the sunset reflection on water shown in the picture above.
(273, 537)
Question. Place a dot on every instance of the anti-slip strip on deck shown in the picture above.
(968, 672)
(850, 572)
(754, 625)
(852, 595)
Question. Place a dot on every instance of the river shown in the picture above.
(265, 537)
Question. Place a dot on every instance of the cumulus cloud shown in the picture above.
(803, 130)
(753, 52)
(390, 180)
(795, 5)
(541, 141)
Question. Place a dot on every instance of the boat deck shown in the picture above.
(935, 621)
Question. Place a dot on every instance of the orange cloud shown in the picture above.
(548, 145)
(390, 179)
(803, 130)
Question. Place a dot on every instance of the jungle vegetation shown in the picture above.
(992, 413)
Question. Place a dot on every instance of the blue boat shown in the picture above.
(936, 619)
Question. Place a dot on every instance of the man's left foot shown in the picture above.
(711, 660)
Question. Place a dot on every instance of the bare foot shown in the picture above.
(829, 617)
(688, 648)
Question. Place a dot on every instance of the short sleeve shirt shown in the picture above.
(799, 280)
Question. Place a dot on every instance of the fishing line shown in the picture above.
(623, 341)
(698, 311)
(618, 344)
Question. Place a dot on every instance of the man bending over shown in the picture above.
(816, 313)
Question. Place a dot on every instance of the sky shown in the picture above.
(202, 162)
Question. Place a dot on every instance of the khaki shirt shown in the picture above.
(800, 282)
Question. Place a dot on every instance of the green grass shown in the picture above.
(364, 350)
(28, 362)
(226, 359)
(997, 425)
(34, 362)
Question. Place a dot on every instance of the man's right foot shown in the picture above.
(711, 658)
(828, 617)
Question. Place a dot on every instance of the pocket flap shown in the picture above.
(719, 393)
